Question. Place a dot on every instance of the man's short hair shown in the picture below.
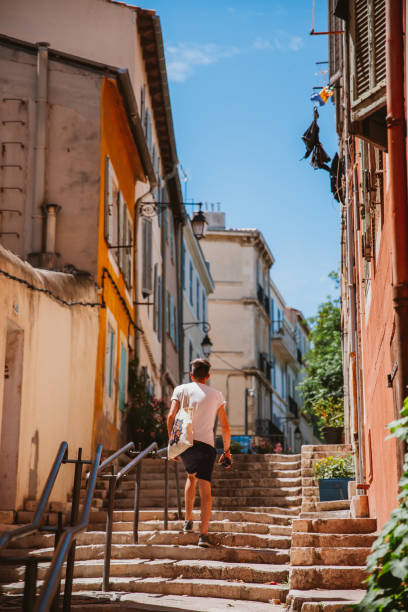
(200, 368)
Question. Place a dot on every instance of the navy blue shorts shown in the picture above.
(199, 460)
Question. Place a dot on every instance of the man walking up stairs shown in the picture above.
(246, 568)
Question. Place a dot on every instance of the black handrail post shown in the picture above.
(109, 526)
(179, 515)
(30, 586)
(69, 572)
(166, 494)
(137, 504)
(58, 532)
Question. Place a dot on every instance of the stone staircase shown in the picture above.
(329, 548)
(254, 505)
(311, 506)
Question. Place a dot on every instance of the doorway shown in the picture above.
(10, 419)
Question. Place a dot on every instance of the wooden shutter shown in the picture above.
(155, 297)
(128, 251)
(159, 309)
(107, 199)
(368, 65)
(147, 257)
(335, 44)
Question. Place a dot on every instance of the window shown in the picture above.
(272, 313)
(283, 383)
(110, 360)
(198, 298)
(190, 352)
(368, 70)
(171, 227)
(171, 328)
(122, 378)
(183, 265)
(279, 318)
(146, 257)
(111, 203)
(274, 373)
(147, 126)
(191, 283)
(204, 308)
(159, 309)
(155, 297)
(127, 263)
(175, 340)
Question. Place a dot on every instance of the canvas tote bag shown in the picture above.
(181, 436)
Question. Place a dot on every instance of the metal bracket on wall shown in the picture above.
(390, 377)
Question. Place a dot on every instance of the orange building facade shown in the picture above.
(370, 182)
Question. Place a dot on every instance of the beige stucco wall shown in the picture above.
(239, 326)
(58, 374)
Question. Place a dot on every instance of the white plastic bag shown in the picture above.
(181, 436)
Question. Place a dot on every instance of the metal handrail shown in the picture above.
(60, 458)
(65, 543)
(115, 481)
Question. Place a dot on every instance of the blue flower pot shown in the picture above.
(331, 489)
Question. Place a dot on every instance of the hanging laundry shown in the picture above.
(314, 146)
(326, 93)
(323, 95)
(338, 178)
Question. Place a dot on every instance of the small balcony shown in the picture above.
(284, 342)
(263, 299)
(265, 365)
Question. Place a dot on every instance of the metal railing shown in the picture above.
(64, 538)
(65, 550)
(114, 483)
(30, 562)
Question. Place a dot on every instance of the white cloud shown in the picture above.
(286, 42)
(261, 43)
(183, 58)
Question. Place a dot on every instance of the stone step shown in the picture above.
(177, 538)
(310, 600)
(257, 492)
(325, 540)
(7, 517)
(236, 554)
(329, 556)
(338, 504)
(327, 577)
(244, 501)
(268, 515)
(306, 448)
(168, 568)
(344, 514)
(238, 481)
(335, 525)
(180, 586)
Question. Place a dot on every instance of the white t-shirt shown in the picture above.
(205, 402)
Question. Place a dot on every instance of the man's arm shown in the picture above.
(174, 408)
(225, 428)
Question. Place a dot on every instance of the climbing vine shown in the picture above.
(387, 584)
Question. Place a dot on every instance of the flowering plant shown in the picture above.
(146, 415)
(334, 467)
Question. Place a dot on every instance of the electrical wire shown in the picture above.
(48, 292)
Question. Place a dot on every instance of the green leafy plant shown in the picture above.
(322, 387)
(145, 415)
(334, 467)
(387, 584)
(236, 447)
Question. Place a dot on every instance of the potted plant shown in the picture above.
(331, 420)
(333, 475)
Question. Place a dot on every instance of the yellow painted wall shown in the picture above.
(118, 144)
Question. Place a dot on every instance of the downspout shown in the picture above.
(396, 127)
(166, 178)
(351, 290)
(40, 147)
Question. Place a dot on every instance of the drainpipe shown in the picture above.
(51, 211)
(396, 127)
(40, 147)
(357, 433)
(164, 228)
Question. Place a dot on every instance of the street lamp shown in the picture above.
(206, 345)
(199, 222)
(248, 393)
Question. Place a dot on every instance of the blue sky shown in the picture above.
(241, 74)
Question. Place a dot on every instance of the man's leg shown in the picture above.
(206, 503)
(189, 495)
